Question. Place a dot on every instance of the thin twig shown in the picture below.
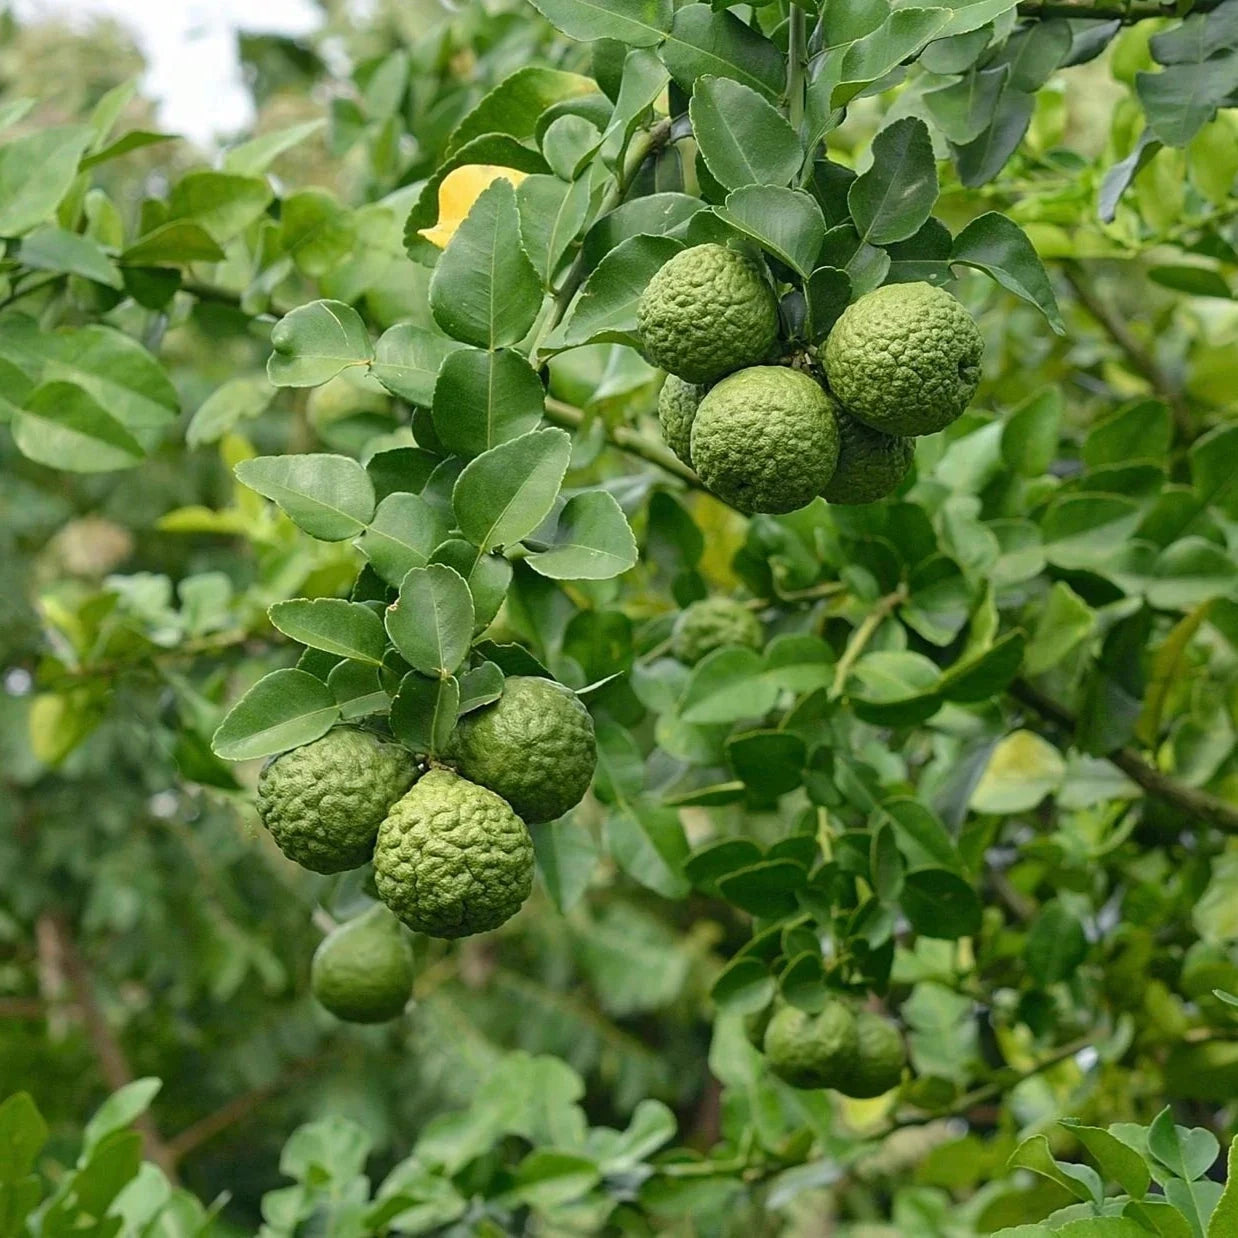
(863, 634)
(1199, 804)
(627, 440)
(1137, 354)
(108, 1051)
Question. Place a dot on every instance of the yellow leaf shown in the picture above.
(460, 188)
(58, 723)
(1022, 770)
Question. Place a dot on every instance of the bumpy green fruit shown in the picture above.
(534, 746)
(880, 1058)
(712, 623)
(677, 405)
(708, 311)
(452, 858)
(363, 971)
(870, 464)
(812, 1051)
(323, 802)
(766, 439)
(904, 359)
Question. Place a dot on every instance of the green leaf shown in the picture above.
(407, 361)
(484, 290)
(1056, 944)
(358, 691)
(895, 688)
(743, 986)
(714, 860)
(316, 342)
(505, 493)
(424, 711)
(483, 399)
(894, 198)
(329, 497)
(605, 310)
(23, 1132)
(283, 710)
(118, 1111)
(727, 685)
(1083, 531)
(1030, 435)
(996, 245)
(54, 249)
(1187, 1152)
(518, 103)
(965, 108)
(220, 202)
(1142, 430)
(638, 23)
(921, 835)
(548, 1178)
(1116, 1160)
(1213, 476)
(786, 222)
(1022, 770)
(1224, 1218)
(567, 857)
(704, 41)
(939, 903)
(770, 763)
(36, 171)
(402, 535)
(315, 231)
(592, 541)
(62, 426)
(1183, 97)
(649, 845)
(743, 139)
(1190, 572)
(177, 243)
(1079, 1180)
(483, 685)
(239, 399)
(1064, 623)
(254, 157)
(431, 623)
(488, 577)
(552, 214)
(348, 629)
(850, 69)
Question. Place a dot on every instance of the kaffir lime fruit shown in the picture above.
(677, 405)
(813, 1051)
(766, 439)
(712, 623)
(534, 746)
(363, 971)
(707, 311)
(904, 359)
(452, 858)
(871, 465)
(323, 802)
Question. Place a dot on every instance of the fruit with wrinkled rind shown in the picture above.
(766, 439)
(880, 1058)
(812, 1051)
(677, 405)
(712, 623)
(452, 858)
(904, 359)
(535, 746)
(706, 312)
(871, 465)
(323, 802)
(362, 972)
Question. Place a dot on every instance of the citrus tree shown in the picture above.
(684, 555)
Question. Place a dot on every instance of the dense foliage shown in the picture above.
(351, 425)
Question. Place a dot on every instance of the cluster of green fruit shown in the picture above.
(855, 1052)
(450, 845)
(769, 432)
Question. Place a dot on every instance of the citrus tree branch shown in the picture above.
(863, 634)
(110, 1055)
(1195, 803)
(1139, 357)
(626, 440)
